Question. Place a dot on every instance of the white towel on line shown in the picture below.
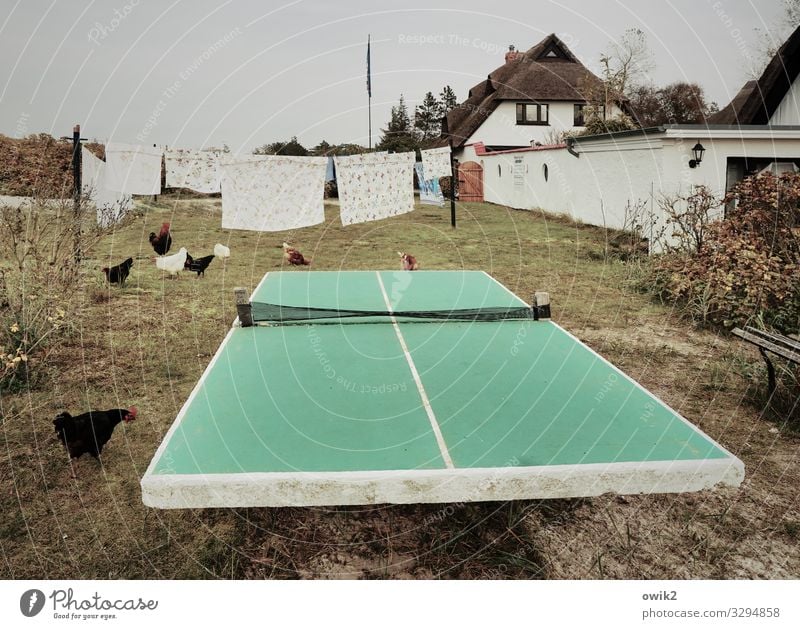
(272, 192)
(194, 170)
(111, 206)
(373, 186)
(437, 162)
(133, 169)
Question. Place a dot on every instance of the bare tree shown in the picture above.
(625, 64)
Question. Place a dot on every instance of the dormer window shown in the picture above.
(533, 113)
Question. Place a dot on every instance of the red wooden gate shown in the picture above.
(470, 182)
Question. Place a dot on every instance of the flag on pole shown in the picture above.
(369, 79)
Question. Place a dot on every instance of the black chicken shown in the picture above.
(90, 431)
(198, 265)
(163, 241)
(118, 274)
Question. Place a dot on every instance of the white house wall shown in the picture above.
(530, 190)
(713, 169)
(612, 182)
(788, 112)
(501, 128)
(596, 187)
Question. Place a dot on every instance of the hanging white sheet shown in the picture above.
(437, 162)
(272, 192)
(373, 186)
(193, 170)
(111, 206)
(133, 169)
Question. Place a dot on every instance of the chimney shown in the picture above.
(512, 54)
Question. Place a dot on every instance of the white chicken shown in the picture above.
(174, 263)
(221, 251)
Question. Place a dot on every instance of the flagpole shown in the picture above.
(369, 95)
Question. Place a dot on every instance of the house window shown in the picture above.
(577, 118)
(499, 171)
(533, 113)
(545, 171)
(581, 112)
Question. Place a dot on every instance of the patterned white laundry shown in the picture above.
(429, 191)
(194, 170)
(437, 162)
(272, 192)
(111, 206)
(133, 169)
(373, 186)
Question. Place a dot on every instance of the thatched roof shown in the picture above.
(757, 101)
(547, 72)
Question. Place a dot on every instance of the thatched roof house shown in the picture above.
(547, 86)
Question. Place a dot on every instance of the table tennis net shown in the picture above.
(281, 313)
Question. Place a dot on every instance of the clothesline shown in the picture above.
(274, 192)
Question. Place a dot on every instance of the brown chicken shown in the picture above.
(293, 256)
(408, 262)
(163, 241)
(89, 432)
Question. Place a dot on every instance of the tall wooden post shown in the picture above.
(453, 181)
(76, 191)
(369, 92)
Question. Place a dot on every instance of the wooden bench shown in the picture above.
(777, 344)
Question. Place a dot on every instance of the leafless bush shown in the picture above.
(639, 229)
(41, 246)
(688, 218)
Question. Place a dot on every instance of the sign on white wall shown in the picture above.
(518, 172)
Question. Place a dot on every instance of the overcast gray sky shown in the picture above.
(193, 73)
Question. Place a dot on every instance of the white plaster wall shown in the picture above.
(596, 187)
(501, 127)
(533, 192)
(712, 171)
(788, 112)
(605, 183)
(466, 154)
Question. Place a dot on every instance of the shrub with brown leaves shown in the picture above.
(747, 268)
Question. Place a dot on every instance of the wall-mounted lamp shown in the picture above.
(697, 150)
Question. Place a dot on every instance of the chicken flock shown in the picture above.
(184, 261)
(171, 265)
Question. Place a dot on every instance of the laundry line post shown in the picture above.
(163, 167)
(453, 179)
(369, 92)
(76, 190)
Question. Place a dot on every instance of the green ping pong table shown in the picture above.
(397, 410)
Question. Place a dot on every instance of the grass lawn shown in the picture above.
(147, 344)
